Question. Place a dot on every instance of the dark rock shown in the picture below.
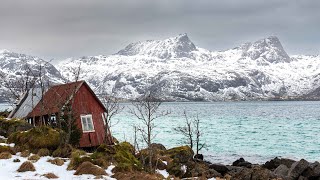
(213, 173)
(281, 171)
(158, 146)
(183, 153)
(201, 169)
(313, 171)
(297, 169)
(220, 168)
(198, 156)
(302, 178)
(233, 170)
(242, 163)
(255, 173)
(274, 163)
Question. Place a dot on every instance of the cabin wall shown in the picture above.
(85, 103)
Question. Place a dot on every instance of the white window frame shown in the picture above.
(88, 119)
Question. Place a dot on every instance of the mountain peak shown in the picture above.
(2, 51)
(175, 47)
(270, 49)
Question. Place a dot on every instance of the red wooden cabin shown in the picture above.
(86, 108)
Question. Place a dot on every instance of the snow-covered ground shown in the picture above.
(8, 170)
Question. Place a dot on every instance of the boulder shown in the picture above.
(220, 168)
(198, 157)
(233, 170)
(297, 169)
(158, 146)
(313, 171)
(255, 173)
(182, 153)
(274, 163)
(242, 163)
(281, 171)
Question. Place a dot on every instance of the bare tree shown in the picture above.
(146, 109)
(186, 130)
(67, 110)
(199, 144)
(113, 107)
(192, 132)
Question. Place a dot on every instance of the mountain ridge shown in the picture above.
(175, 69)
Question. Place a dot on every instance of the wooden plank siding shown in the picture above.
(85, 103)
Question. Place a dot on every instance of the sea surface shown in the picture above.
(257, 131)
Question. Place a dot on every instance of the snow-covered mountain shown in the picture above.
(15, 68)
(177, 70)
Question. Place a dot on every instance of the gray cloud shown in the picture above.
(59, 29)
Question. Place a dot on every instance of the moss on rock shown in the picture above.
(37, 138)
(125, 159)
(63, 151)
(182, 154)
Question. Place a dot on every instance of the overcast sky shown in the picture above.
(71, 28)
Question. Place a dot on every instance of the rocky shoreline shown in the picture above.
(277, 168)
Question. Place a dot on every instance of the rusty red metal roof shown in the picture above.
(58, 96)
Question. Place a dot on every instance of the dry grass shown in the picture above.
(26, 166)
(50, 176)
(56, 161)
(34, 158)
(137, 175)
(5, 155)
(43, 152)
(89, 168)
(25, 153)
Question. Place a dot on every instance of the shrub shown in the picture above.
(25, 153)
(5, 155)
(89, 168)
(43, 152)
(26, 166)
(37, 138)
(63, 151)
(50, 176)
(56, 161)
(34, 158)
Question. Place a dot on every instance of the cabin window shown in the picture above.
(87, 124)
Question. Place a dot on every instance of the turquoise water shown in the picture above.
(257, 131)
(4, 107)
